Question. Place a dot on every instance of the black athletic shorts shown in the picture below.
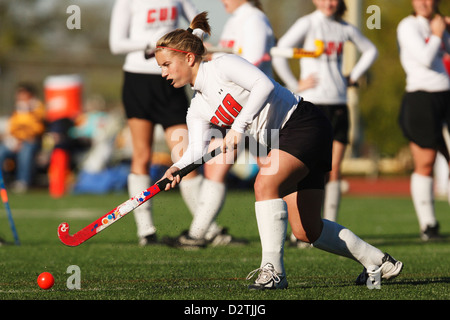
(338, 116)
(308, 136)
(151, 97)
(422, 115)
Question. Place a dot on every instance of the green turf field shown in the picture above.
(113, 266)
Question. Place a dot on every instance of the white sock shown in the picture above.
(271, 216)
(212, 197)
(142, 214)
(341, 241)
(423, 199)
(332, 200)
(190, 190)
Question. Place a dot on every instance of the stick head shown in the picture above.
(65, 237)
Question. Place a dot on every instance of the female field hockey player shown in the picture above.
(423, 38)
(233, 93)
(322, 81)
(148, 99)
(247, 31)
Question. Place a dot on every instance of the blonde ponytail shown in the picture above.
(184, 41)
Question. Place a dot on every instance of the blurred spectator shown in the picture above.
(94, 136)
(23, 135)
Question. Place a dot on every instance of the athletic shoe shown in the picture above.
(148, 240)
(185, 241)
(431, 233)
(389, 269)
(223, 238)
(268, 278)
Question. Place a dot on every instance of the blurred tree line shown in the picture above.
(35, 42)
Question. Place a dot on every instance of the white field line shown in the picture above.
(72, 213)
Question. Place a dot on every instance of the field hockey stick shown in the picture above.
(215, 49)
(4, 196)
(298, 53)
(126, 207)
(293, 53)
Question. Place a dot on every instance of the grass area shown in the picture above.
(114, 267)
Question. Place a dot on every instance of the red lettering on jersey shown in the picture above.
(333, 48)
(215, 121)
(224, 116)
(227, 43)
(340, 47)
(162, 15)
(174, 13)
(232, 105)
(150, 17)
(227, 112)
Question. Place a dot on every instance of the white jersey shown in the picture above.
(421, 55)
(327, 68)
(230, 92)
(248, 32)
(138, 23)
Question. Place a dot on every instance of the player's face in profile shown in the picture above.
(174, 67)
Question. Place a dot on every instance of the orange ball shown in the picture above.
(45, 280)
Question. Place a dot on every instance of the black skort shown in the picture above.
(308, 136)
(151, 97)
(422, 116)
(339, 118)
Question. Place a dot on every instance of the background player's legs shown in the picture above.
(212, 195)
(333, 186)
(177, 140)
(422, 189)
(139, 177)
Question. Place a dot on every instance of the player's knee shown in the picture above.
(265, 189)
(425, 170)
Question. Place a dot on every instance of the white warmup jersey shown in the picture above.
(331, 87)
(248, 32)
(421, 55)
(138, 23)
(230, 92)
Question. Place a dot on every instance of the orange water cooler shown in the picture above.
(63, 97)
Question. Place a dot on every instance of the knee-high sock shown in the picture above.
(341, 241)
(142, 214)
(423, 199)
(212, 197)
(190, 190)
(271, 216)
(332, 200)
